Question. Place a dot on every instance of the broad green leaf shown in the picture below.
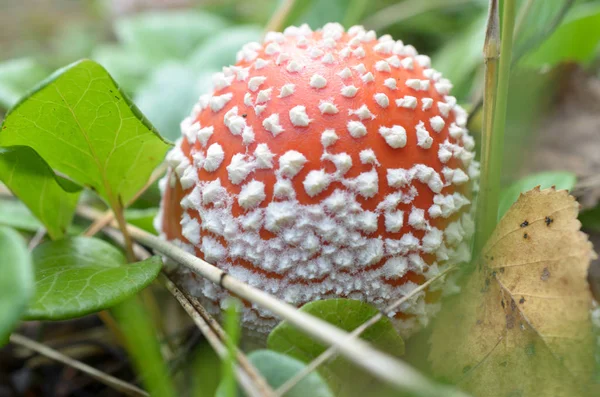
(590, 219)
(182, 85)
(142, 218)
(277, 368)
(575, 40)
(459, 59)
(143, 346)
(167, 34)
(205, 371)
(355, 11)
(50, 198)
(15, 214)
(16, 280)
(296, 11)
(222, 47)
(80, 275)
(126, 66)
(232, 328)
(18, 76)
(346, 314)
(559, 179)
(83, 126)
(537, 21)
(321, 12)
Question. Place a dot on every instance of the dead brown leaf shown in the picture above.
(522, 325)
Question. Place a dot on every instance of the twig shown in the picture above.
(278, 18)
(376, 362)
(108, 380)
(332, 351)
(212, 338)
(488, 206)
(405, 10)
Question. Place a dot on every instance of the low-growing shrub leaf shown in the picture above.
(142, 218)
(126, 66)
(14, 213)
(16, 280)
(559, 179)
(81, 124)
(182, 85)
(576, 40)
(539, 22)
(460, 58)
(80, 275)
(278, 368)
(222, 47)
(521, 326)
(346, 314)
(17, 76)
(163, 35)
(50, 198)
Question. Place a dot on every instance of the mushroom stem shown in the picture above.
(498, 55)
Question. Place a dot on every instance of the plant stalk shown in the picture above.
(497, 53)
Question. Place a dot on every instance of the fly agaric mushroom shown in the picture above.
(324, 164)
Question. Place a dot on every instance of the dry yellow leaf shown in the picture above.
(522, 325)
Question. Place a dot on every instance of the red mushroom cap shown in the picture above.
(324, 164)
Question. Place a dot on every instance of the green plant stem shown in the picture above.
(118, 210)
(232, 328)
(495, 104)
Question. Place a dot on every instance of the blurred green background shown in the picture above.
(163, 52)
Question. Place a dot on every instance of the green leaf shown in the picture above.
(83, 126)
(222, 47)
(590, 219)
(321, 12)
(296, 11)
(127, 67)
(346, 314)
(80, 275)
(355, 11)
(15, 214)
(182, 85)
(18, 76)
(205, 371)
(575, 40)
(277, 368)
(539, 22)
(142, 218)
(459, 59)
(50, 198)
(143, 346)
(16, 282)
(167, 34)
(232, 328)
(559, 179)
